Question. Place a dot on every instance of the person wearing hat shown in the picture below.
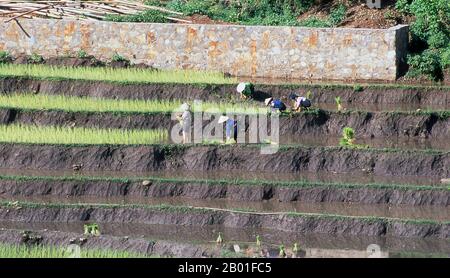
(245, 89)
(275, 104)
(231, 127)
(185, 122)
(300, 102)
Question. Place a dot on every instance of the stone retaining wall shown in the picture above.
(257, 51)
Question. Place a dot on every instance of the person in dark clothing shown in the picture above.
(231, 127)
(275, 104)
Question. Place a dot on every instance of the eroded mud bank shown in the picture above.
(370, 94)
(219, 190)
(224, 158)
(322, 123)
(185, 216)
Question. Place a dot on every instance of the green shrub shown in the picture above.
(35, 59)
(193, 6)
(426, 63)
(402, 6)
(82, 54)
(430, 28)
(145, 16)
(248, 12)
(309, 95)
(348, 137)
(314, 22)
(338, 103)
(445, 58)
(337, 15)
(358, 88)
(5, 57)
(251, 12)
(91, 229)
(431, 21)
(118, 58)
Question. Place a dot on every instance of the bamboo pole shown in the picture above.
(90, 9)
(26, 13)
(178, 19)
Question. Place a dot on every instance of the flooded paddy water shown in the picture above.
(437, 213)
(319, 176)
(387, 142)
(377, 107)
(312, 245)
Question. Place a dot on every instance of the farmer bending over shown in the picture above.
(300, 102)
(245, 89)
(275, 104)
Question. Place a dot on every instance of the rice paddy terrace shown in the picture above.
(94, 145)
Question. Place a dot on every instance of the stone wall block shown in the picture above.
(258, 51)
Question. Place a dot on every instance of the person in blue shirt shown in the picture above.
(275, 104)
(231, 128)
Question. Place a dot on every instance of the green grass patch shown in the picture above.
(86, 136)
(39, 251)
(88, 104)
(40, 102)
(230, 182)
(115, 75)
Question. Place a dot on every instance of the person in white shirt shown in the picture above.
(300, 102)
(185, 122)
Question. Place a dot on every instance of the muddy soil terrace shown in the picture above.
(210, 190)
(322, 123)
(371, 94)
(187, 216)
(222, 158)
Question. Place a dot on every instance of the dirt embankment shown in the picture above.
(223, 158)
(323, 123)
(134, 245)
(198, 190)
(331, 225)
(370, 95)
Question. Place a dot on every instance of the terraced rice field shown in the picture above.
(84, 146)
